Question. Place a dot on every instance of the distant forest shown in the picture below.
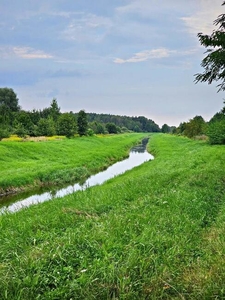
(51, 121)
(136, 124)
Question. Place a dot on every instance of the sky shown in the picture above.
(123, 57)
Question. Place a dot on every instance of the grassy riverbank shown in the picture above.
(57, 162)
(156, 232)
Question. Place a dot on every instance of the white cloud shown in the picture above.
(141, 7)
(149, 8)
(202, 20)
(145, 55)
(64, 14)
(198, 16)
(7, 52)
(134, 6)
(30, 53)
(89, 27)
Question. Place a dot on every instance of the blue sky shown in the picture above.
(125, 57)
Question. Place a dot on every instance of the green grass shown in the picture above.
(156, 232)
(62, 161)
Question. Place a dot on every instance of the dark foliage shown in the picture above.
(214, 62)
(137, 124)
(82, 123)
(111, 127)
(50, 121)
(67, 125)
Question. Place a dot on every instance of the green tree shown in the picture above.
(90, 132)
(118, 129)
(67, 125)
(45, 113)
(22, 120)
(124, 129)
(82, 123)
(137, 128)
(216, 128)
(46, 127)
(20, 130)
(214, 62)
(181, 128)
(54, 110)
(8, 105)
(4, 133)
(34, 116)
(138, 124)
(111, 127)
(216, 132)
(8, 98)
(165, 128)
(219, 116)
(173, 129)
(98, 128)
(195, 127)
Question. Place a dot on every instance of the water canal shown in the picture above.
(137, 156)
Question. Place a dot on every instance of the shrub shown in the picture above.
(46, 127)
(4, 133)
(111, 127)
(67, 125)
(216, 132)
(20, 130)
(90, 132)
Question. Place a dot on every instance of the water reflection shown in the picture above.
(138, 155)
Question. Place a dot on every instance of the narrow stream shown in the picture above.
(138, 155)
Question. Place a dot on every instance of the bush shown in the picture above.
(67, 125)
(195, 127)
(111, 127)
(90, 132)
(216, 132)
(4, 133)
(20, 130)
(46, 127)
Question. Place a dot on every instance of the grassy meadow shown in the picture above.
(155, 232)
(26, 164)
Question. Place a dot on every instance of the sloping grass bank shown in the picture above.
(57, 162)
(156, 232)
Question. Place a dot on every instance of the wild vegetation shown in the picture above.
(156, 232)
(59, 161)
(212, 131)
(121, 123)
(50, 121)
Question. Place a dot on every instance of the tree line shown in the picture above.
(46, 122)
(123, 123)
(197, 127)
(51, 121)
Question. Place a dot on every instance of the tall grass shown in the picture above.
(156, 232)
(62, 161)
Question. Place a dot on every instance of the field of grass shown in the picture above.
(59, 161)
(155, 232)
